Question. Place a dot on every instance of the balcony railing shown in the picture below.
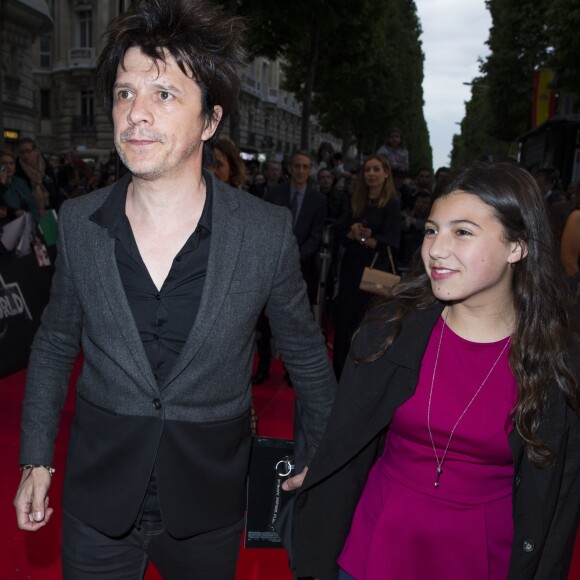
(81, 57)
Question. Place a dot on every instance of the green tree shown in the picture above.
(563, 20)
(374, 80)
(295, 32)
(519, 44)
(475, 141)
(358, 67)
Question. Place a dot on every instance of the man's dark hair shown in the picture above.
(301, 152)
(205, 42)
(550, 174)
(29, 140)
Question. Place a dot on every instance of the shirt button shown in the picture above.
(156, 336)
(157, 404)
(178, 259)
(528, 546)
(157, 296)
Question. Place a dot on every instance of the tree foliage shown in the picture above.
(475, 141)
(526, 36)
(357, 66)
(563, 21)
(519, 43)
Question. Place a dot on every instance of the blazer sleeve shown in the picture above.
(54, 350)
(300, 341)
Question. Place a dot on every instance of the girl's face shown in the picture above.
(466, 254)
(374, 174)
(394, 139)
(222, 166)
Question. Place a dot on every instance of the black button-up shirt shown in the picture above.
(164, 317)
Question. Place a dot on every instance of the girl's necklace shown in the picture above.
(440, 461)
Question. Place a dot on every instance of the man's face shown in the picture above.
(300, 168)
(543, 183)
(424, 179)
(422, 206)
(28, 153)
(324, 180)
(273, 172)
(159, 128)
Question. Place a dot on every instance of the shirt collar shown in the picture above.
(111, 214)
(300, 191)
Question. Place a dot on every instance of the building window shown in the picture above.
(45, 103)
(87, 106)
(44, 52)
(85, 28)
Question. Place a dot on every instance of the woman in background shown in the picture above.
(14, 191)
(229, 166)
(452, 449)
(372, 224)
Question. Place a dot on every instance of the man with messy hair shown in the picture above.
(160, 279)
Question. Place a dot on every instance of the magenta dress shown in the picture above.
(406, 528)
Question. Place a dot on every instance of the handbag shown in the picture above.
(378, 281)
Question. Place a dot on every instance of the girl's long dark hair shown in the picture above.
(543, 331)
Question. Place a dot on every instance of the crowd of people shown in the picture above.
(371, 206)
(443, 443)
(34, 183)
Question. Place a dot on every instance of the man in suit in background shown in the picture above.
(272, 175)
(309, 208)
(161, 278)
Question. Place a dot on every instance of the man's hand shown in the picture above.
(31, 501)
(295, 482)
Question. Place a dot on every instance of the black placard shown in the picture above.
(265, 499)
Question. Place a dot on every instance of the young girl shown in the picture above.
(452, 450)
(395, 151)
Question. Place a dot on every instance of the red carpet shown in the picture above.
(36, 556)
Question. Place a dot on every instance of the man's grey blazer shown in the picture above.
(124, 422)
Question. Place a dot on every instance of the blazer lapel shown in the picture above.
(103, 247)
(226, 234)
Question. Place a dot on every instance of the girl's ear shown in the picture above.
(518, 251)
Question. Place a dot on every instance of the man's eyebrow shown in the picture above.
(158, 86)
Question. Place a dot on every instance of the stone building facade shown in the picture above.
(63, 113)
(21, 23)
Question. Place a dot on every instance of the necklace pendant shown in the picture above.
(439, 472)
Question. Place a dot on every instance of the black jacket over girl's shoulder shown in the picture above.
(546, 502)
